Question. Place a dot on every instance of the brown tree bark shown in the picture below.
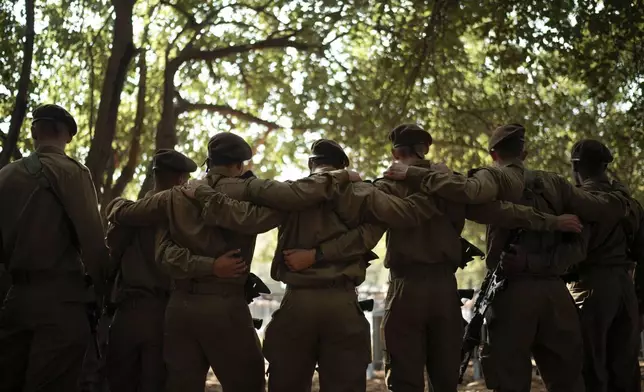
(9, 145)
(120, 57)
(127, 171)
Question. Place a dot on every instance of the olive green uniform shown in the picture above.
(45, 227)
(421, 332)
(319, 320)
(535, 315)
(208, 323)
(605, 296)
(135, 353)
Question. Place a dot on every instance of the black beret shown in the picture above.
(167, 159)
(328, 149)
(409, 135)
(51, 112)
(225, 148)
(505, 132)
(589, 150)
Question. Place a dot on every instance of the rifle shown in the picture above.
(469, 252)
(254, 287)
(493, 283)
(465, 293)
(93, 316)
(366, 305)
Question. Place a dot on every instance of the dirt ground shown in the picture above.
(377, 384)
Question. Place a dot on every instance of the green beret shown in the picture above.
(55, 113)
(506, 132)
(589, 150)
(167, 159)
(225, 148)
(409, 135)
(328, 149)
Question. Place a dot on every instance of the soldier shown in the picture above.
(208, 323)
(321, 257)
(603, 287)
(535, 315)
(502, 181)
(135, 356)
(50, 218)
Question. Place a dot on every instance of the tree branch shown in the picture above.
(16, 153)
(210, 55)
(225, 110)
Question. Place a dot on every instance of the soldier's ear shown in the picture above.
(394, 154)
(494, 155)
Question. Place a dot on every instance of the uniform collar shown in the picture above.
(510, 162)
(219, 170)
(424, 163)
(50, 149)
(323, 169)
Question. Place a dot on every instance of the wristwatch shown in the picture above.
(319, 256)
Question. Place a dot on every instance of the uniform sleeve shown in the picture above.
(508, 215)
(571, 251)
(78, 196)
(354, 243)
(482, 187)
(118, 238)
(179, 262)
(239, 216)
(394, 212)
(637, 253)
(149, 211)
(592, 207)
(296, 195)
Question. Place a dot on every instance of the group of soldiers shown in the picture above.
(180, 260)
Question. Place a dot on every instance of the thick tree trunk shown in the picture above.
(117, 66)
(9, 147)
(127, 172)
(166, 136)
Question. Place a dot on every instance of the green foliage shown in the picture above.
(350, 71)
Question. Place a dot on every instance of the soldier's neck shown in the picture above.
(322, 169)
(410, 161)
(50, 143)
(224, 171)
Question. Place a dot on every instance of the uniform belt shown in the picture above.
(421, 270)
(22, 277)
(324, 284)
(135, 302)
(215, 288)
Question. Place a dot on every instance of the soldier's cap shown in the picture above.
(505, 132)
(590, 150)
(328, 149)
(409, 135)
(168, 159)
(51, 112)
(226, 148)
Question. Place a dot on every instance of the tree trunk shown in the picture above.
(117, 66)
(127, 172)
(166, 136)
(9, 147)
